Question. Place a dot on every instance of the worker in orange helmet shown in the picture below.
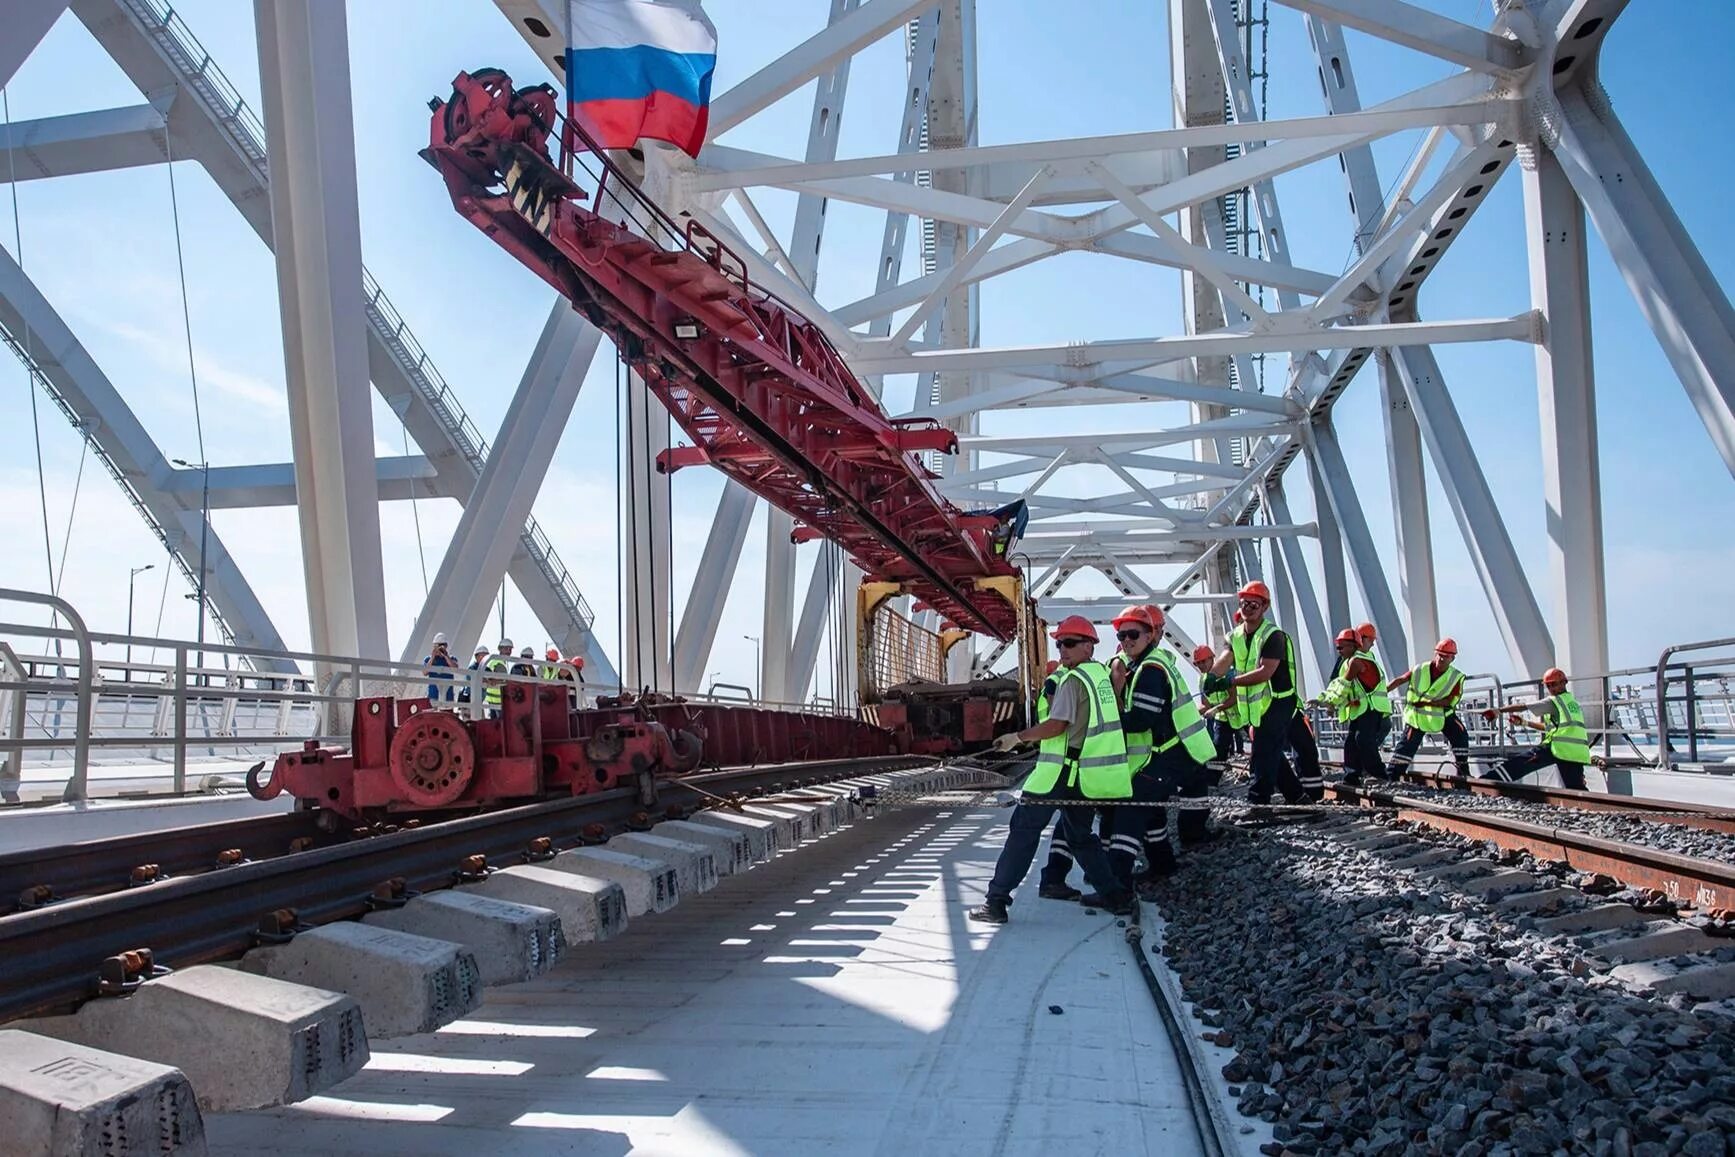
(1082, 756)
(1355, 680)
(1565, 738)
(1432, 709)
(1051, 881)
(1266, 684)
(1215, 708)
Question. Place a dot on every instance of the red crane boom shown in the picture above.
(763, 394)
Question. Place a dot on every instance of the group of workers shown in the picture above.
(1116, 741)
(445, 693)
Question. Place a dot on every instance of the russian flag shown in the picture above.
(640, 68)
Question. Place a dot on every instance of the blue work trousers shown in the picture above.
(1029, 821)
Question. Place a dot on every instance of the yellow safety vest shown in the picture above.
(1183, 711)
(491, 695)
(1347, 695)
(1255, 700)
(1098, 769)
(1423, 685)
(1566, 736)
(1379, 699)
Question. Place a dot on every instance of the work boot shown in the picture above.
(1352, 779)
(1120, 904)
(1060, 891)
(990, 912)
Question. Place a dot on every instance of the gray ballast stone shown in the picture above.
(731, 850)
(244, 1041)
(695, 866)
(68, 1100)
(589, 908)
(650, 885)
(404, 983)
(511, 942)
(761, 833)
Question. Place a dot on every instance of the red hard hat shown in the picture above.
(553, 655)
(1075, 627)
(1447, 647)
(1203, 654)
(1554, 675)
(1053, 666)
(1157, 616)
(1139, 615)
(1255, 590)
(1366, 633)
(1347, 636)
(577, 661)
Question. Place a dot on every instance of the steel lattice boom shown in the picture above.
(759, 388)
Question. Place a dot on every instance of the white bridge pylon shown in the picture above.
(1161, 463)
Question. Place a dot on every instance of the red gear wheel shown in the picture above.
(432, 759)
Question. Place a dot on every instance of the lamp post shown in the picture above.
(758, 660)
(204, 533)
(132, 575)
(710, 682)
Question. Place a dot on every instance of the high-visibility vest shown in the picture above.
(551, 673)
(1379, 699)
(1346, 694)
(1255, 700)
(1423, 685)
(1048, 686)
(1138, 742)
(1099, 768)
(1190, 729)
(491, 694)
(1566, 736)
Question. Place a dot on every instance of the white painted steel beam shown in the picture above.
(1331, 555)
(1566, 393)
(1680, 298)
(403, 478)
(475, 561)
(647, 647)
(711, 582)
(878, 358)
(1409, 483)
(1479, 519)
(1412, 27)
(26, 22)
(304, 76)
(84, 142)
(1364, 560)
(1342, 99)
(1288, 552)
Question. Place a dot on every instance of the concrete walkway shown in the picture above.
(833, 1002)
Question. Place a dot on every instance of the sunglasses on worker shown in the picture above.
(1073, 642)
(1130, 634)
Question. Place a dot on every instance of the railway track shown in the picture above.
(51, 955)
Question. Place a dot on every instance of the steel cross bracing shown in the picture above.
(195, 113)
(1187, 491)
(1196, 505)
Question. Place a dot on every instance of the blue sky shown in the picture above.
(102, 247)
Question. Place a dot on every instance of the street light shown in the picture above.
(758, 672)
(131, 576)
(204, 532)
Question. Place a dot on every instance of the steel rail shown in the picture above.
(1666, 811)
(1687, 879)
(50, 956)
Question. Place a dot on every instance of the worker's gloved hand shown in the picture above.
(1006, 742)
(1489, 714)
(1215, 683)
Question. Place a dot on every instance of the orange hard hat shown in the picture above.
(1447, 647)
(1075, 627)
(1157, 617)
(1053, 666)
(553, 655)
(1255, 590)
(1139, 615)
(577, 661)
(1203, 654)
(1347, 636)
(1366, 633)
(1554, 676)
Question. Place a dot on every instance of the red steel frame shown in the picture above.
(764, 395)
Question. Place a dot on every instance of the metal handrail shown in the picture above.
(75, 786)
(1664, 748)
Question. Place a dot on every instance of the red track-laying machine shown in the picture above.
(765, 398)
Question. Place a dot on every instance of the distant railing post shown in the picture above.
(180, 699)
(1692, 717)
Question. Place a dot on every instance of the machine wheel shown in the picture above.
(432, 759)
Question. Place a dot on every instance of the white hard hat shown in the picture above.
(440, 639)
(505, 644)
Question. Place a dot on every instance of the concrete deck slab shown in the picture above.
(281, 1042)
(67, 1100)
(806, 1007)
(589, 908)
(404, 983)
(511, 942)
